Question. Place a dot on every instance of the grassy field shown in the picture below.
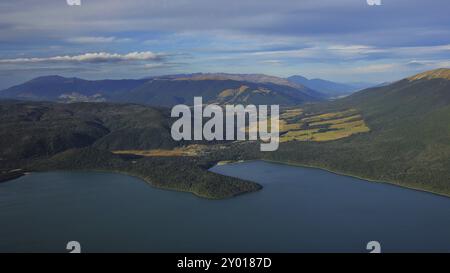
(295, 125)
(191, 150)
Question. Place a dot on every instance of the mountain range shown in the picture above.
(175, 89)
(329, 88)
(167, 90)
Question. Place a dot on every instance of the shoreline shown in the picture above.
(6, 177)
(143, 179)
(294, 164)
(11, 175)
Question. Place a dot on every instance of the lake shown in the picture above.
(299, 210)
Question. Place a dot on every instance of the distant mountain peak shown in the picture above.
(49, 77)
(255, 78)
(441, 73)
(329, 88)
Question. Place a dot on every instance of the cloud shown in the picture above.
(97, 40)
(272, 62)
(425, 64)
(322, 52)
(47, 70)
(349, 52)
(100, 57)
(161, 65)
(375, 68)
(404, 21)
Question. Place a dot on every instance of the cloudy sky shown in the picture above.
(341, 40)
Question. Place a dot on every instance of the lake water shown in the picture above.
(299, 210)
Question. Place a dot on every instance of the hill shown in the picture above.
(441, 73)
(30, 130)
(167, 93)
(45, 136)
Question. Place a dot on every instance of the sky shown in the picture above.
(340, 40)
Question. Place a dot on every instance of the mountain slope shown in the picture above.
(182, 91)
(409, 139)
(36, 129)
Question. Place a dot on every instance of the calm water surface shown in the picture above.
(299, 210)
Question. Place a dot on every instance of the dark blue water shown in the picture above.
(299, 210)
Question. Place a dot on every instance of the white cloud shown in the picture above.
(272, 62)
(97, 40)
(374, 68)
(349, 52)
(429, 63)
(100, 57)
(323, 51)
